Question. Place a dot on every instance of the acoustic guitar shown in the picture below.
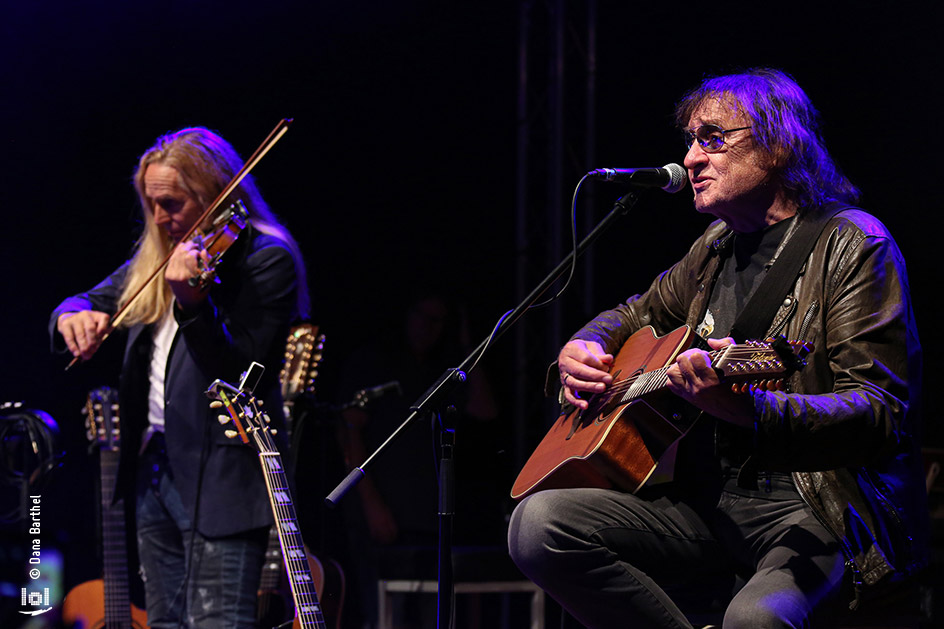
(304, 349)
(618, 440)
(106, 602)
(252, 426)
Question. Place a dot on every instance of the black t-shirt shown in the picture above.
(742, 272)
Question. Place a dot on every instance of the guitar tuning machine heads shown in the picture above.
(231, 434)
(216, 404)
(222, 419)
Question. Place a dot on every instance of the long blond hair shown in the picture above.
(206, 163)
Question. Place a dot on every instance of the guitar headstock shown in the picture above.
(102, 419)
(243, 410)
(304, 350)
(761, 364)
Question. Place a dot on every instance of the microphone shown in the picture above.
(670, 177)
(365, 396)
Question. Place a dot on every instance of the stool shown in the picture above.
(387, 588)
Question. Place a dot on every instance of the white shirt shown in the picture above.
(163, 335)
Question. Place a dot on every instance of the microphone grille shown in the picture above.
(678, 178)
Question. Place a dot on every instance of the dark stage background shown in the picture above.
(399, 171)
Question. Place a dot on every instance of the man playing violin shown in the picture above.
(202, 509)
(814, 496)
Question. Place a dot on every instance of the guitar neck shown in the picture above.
(637, 386)
(114, 553)
(307, 607)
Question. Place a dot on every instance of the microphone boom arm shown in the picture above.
(452, 377)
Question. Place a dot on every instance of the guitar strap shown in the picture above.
(754, 319)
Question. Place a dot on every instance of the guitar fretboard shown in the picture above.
(307, 607)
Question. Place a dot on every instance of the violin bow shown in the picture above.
(274, 136)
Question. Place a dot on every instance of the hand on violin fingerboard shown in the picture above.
(186, 262)
(83, 331)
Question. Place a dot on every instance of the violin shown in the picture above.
(220, 236)
(225, 227)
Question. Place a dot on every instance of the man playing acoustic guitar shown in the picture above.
(813, 495)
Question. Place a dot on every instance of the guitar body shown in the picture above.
(618, 440)
(84, 608)
(609, 444)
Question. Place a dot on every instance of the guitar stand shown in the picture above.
(436, 395)
(447, 483)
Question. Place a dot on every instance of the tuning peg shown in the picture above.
(231, 434)
(222, 419)
(273, 431)
(216, 404)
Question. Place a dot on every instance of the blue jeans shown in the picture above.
(611, 559)
(220, 590)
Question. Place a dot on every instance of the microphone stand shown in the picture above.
(433, 399)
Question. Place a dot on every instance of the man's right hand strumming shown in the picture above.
(583, 367)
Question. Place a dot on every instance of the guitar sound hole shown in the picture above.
(611, 400)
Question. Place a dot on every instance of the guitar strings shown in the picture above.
(296, 562)
(649, 381)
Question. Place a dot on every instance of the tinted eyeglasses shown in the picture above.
(710, 137)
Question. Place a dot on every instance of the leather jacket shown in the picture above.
(847, 427)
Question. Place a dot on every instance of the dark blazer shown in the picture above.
(245, 318)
